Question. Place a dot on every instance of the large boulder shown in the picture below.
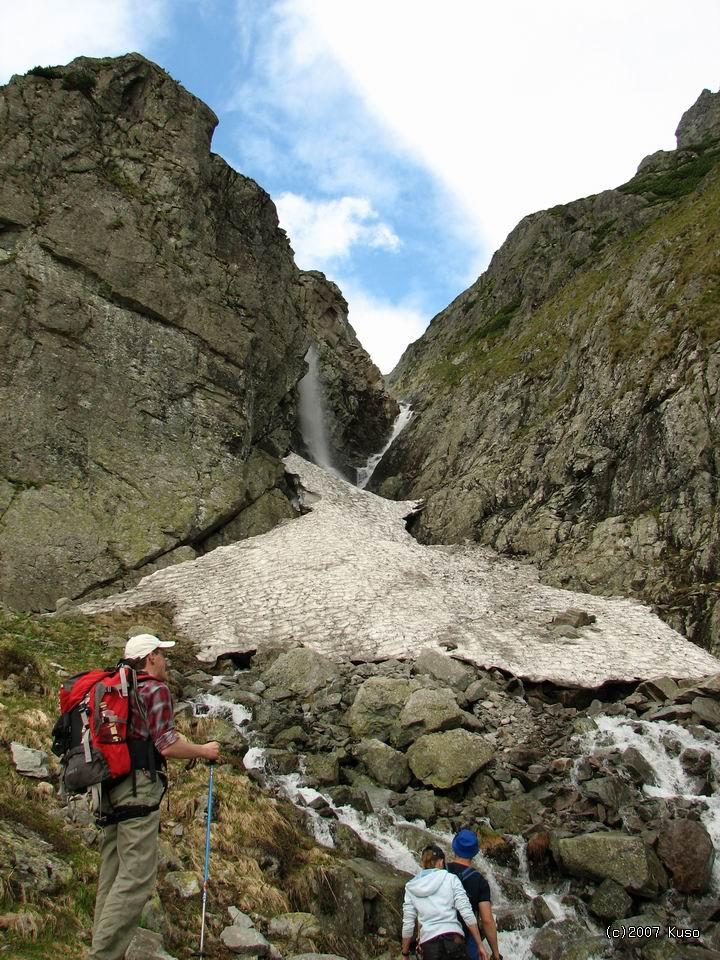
(385, 765)
(686, 849)
(147, 945)
(300, 931)
(301, 671)
(444, 668)
(29, 762)
(430, 710)
(377, 706)
(514, 815)
(568, 940)
(616, 856)
(442, 760)
(611, 901)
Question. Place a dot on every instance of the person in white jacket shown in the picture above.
(433, 899)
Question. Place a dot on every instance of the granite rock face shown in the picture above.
(152, 334)
(567, 404)
(359, 411)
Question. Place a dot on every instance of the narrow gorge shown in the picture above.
(483, 596)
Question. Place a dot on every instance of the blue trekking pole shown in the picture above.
(207, 858)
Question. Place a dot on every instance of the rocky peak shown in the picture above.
(152, 333)
(700, 122)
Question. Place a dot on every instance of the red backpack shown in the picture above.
(91, 734)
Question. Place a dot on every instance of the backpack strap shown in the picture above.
(128, 812)
(467, 873)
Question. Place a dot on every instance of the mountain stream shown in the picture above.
(512, 890)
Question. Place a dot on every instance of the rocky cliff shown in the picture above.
(359, 412)
(153, 326)
(567, 403)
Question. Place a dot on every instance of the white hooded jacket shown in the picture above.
(434, 897)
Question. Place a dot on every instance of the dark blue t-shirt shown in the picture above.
(476, 886)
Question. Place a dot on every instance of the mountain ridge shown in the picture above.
(566, 403)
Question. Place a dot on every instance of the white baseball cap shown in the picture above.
(143, 644)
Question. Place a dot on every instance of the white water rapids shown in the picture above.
(660, 743)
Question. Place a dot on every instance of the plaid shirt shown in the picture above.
(158, 722)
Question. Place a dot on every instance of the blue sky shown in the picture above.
(401, 140)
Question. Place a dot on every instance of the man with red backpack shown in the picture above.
(130, 806)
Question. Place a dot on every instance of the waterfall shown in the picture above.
(364, 473)
(311, 409)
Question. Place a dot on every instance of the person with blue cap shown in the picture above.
(465, 846)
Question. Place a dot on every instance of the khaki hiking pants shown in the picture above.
(127, 869)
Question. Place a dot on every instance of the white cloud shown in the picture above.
(520, 105)
(324, 230)
(46, 33)
(384, 328)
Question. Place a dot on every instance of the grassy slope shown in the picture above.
(251, 829)
(493, 348)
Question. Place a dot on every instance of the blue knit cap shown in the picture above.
(465, 844)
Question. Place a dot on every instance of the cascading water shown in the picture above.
(661, 743)
(384, 830)
(401, 421)
(311, 410)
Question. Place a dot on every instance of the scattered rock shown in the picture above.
(29, 762)
(420, 805)
(638, 767)
(658, 689)
(515, 815)
(443, 668)
(707, 711)
(322, 768)
(376, 708)
(34, 868)
(610, 901)
(300, 930)
(246, 941)
(696, 762)
(567, 940)
(429, 711)
(686, 849)
(383, 890)
(184, 883)
(573, 617)
(615, 856)
(27, 924)
(315, 956)
(153, 915)
(147, 945)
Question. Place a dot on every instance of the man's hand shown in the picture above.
(211, 751)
